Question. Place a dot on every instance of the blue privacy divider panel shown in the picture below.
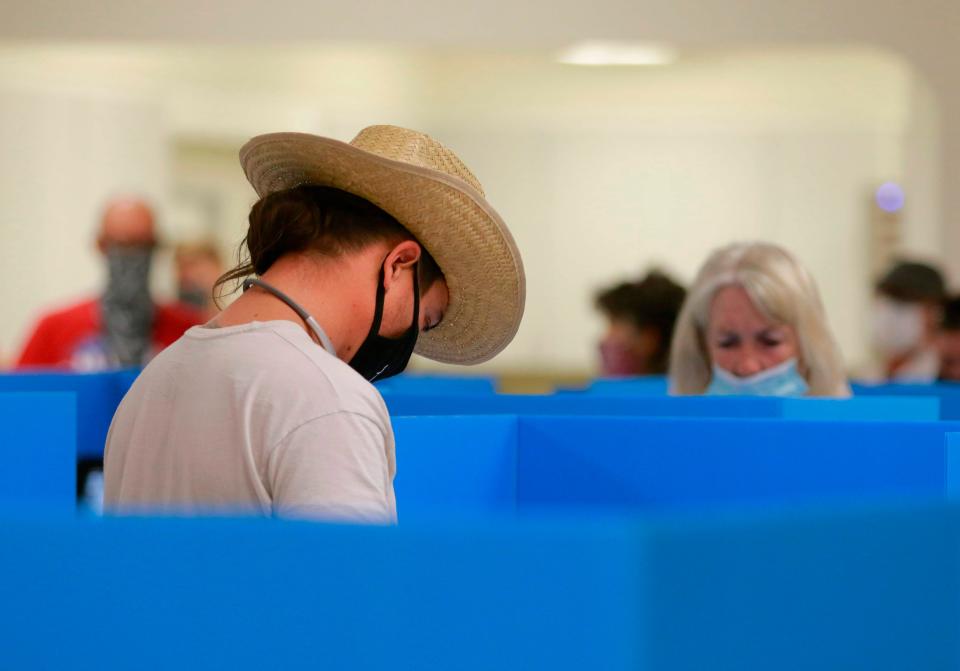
(953, 466)
(495, 464)
(98, 395)
(649, 464)
(575, 404)
(266, 594)
(923, 409)
(947, 393)
(456, 465)
(636, 386)
(885, 408)
(38, 438)
(832, 590)
(829, 589)
(124, 379)
(419, 383)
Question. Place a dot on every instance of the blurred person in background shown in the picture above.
(753, 324)
(124, 326)
(640, 319)
(198, 265)
(906, 316)
(948, 341)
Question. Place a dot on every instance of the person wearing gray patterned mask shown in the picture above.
(127, 305)
(124, 326)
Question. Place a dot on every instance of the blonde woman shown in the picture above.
(753, 324)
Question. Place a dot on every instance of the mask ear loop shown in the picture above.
(378, 304)
(414, 331)
(416, 299)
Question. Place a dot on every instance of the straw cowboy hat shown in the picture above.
(426, 188)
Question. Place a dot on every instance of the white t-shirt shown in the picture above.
(255, 418)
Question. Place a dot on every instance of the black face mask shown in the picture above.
(379, 357)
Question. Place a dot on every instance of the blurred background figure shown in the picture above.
(754, 325)
(841, 152)
(640, 319)
(198, 265)
(124, 326)
(948, 341)
(907, 313)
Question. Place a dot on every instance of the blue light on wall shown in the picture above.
(889, 197)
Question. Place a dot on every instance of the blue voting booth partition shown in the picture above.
(97, 397)
(833, 589)
(872, 408)
(38, 438)
(507, 464)
(99, 394)
(947, 393)
(653, 385)
(422, 383)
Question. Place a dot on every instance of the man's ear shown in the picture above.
(401, 258)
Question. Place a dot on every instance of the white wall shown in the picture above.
(603, 173)
(598, 172)
(922, 31)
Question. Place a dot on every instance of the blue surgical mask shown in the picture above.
(782, 380)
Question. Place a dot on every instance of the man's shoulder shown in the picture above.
(311, 367)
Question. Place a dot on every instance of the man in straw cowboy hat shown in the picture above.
(356, 256)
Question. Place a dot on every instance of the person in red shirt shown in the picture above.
(124, 326)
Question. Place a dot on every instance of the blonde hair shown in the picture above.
(779, 287)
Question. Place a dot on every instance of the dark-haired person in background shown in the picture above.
(907, 312)
(640, 320)
(124, 326)
(948, 341)
(358, 255)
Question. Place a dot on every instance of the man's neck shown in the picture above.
(339, 293)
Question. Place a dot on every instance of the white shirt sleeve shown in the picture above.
(333, 467)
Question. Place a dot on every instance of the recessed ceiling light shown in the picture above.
(596, 52)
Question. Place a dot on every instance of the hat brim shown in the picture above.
(452, 220)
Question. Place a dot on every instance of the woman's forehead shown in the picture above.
(732, 306)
